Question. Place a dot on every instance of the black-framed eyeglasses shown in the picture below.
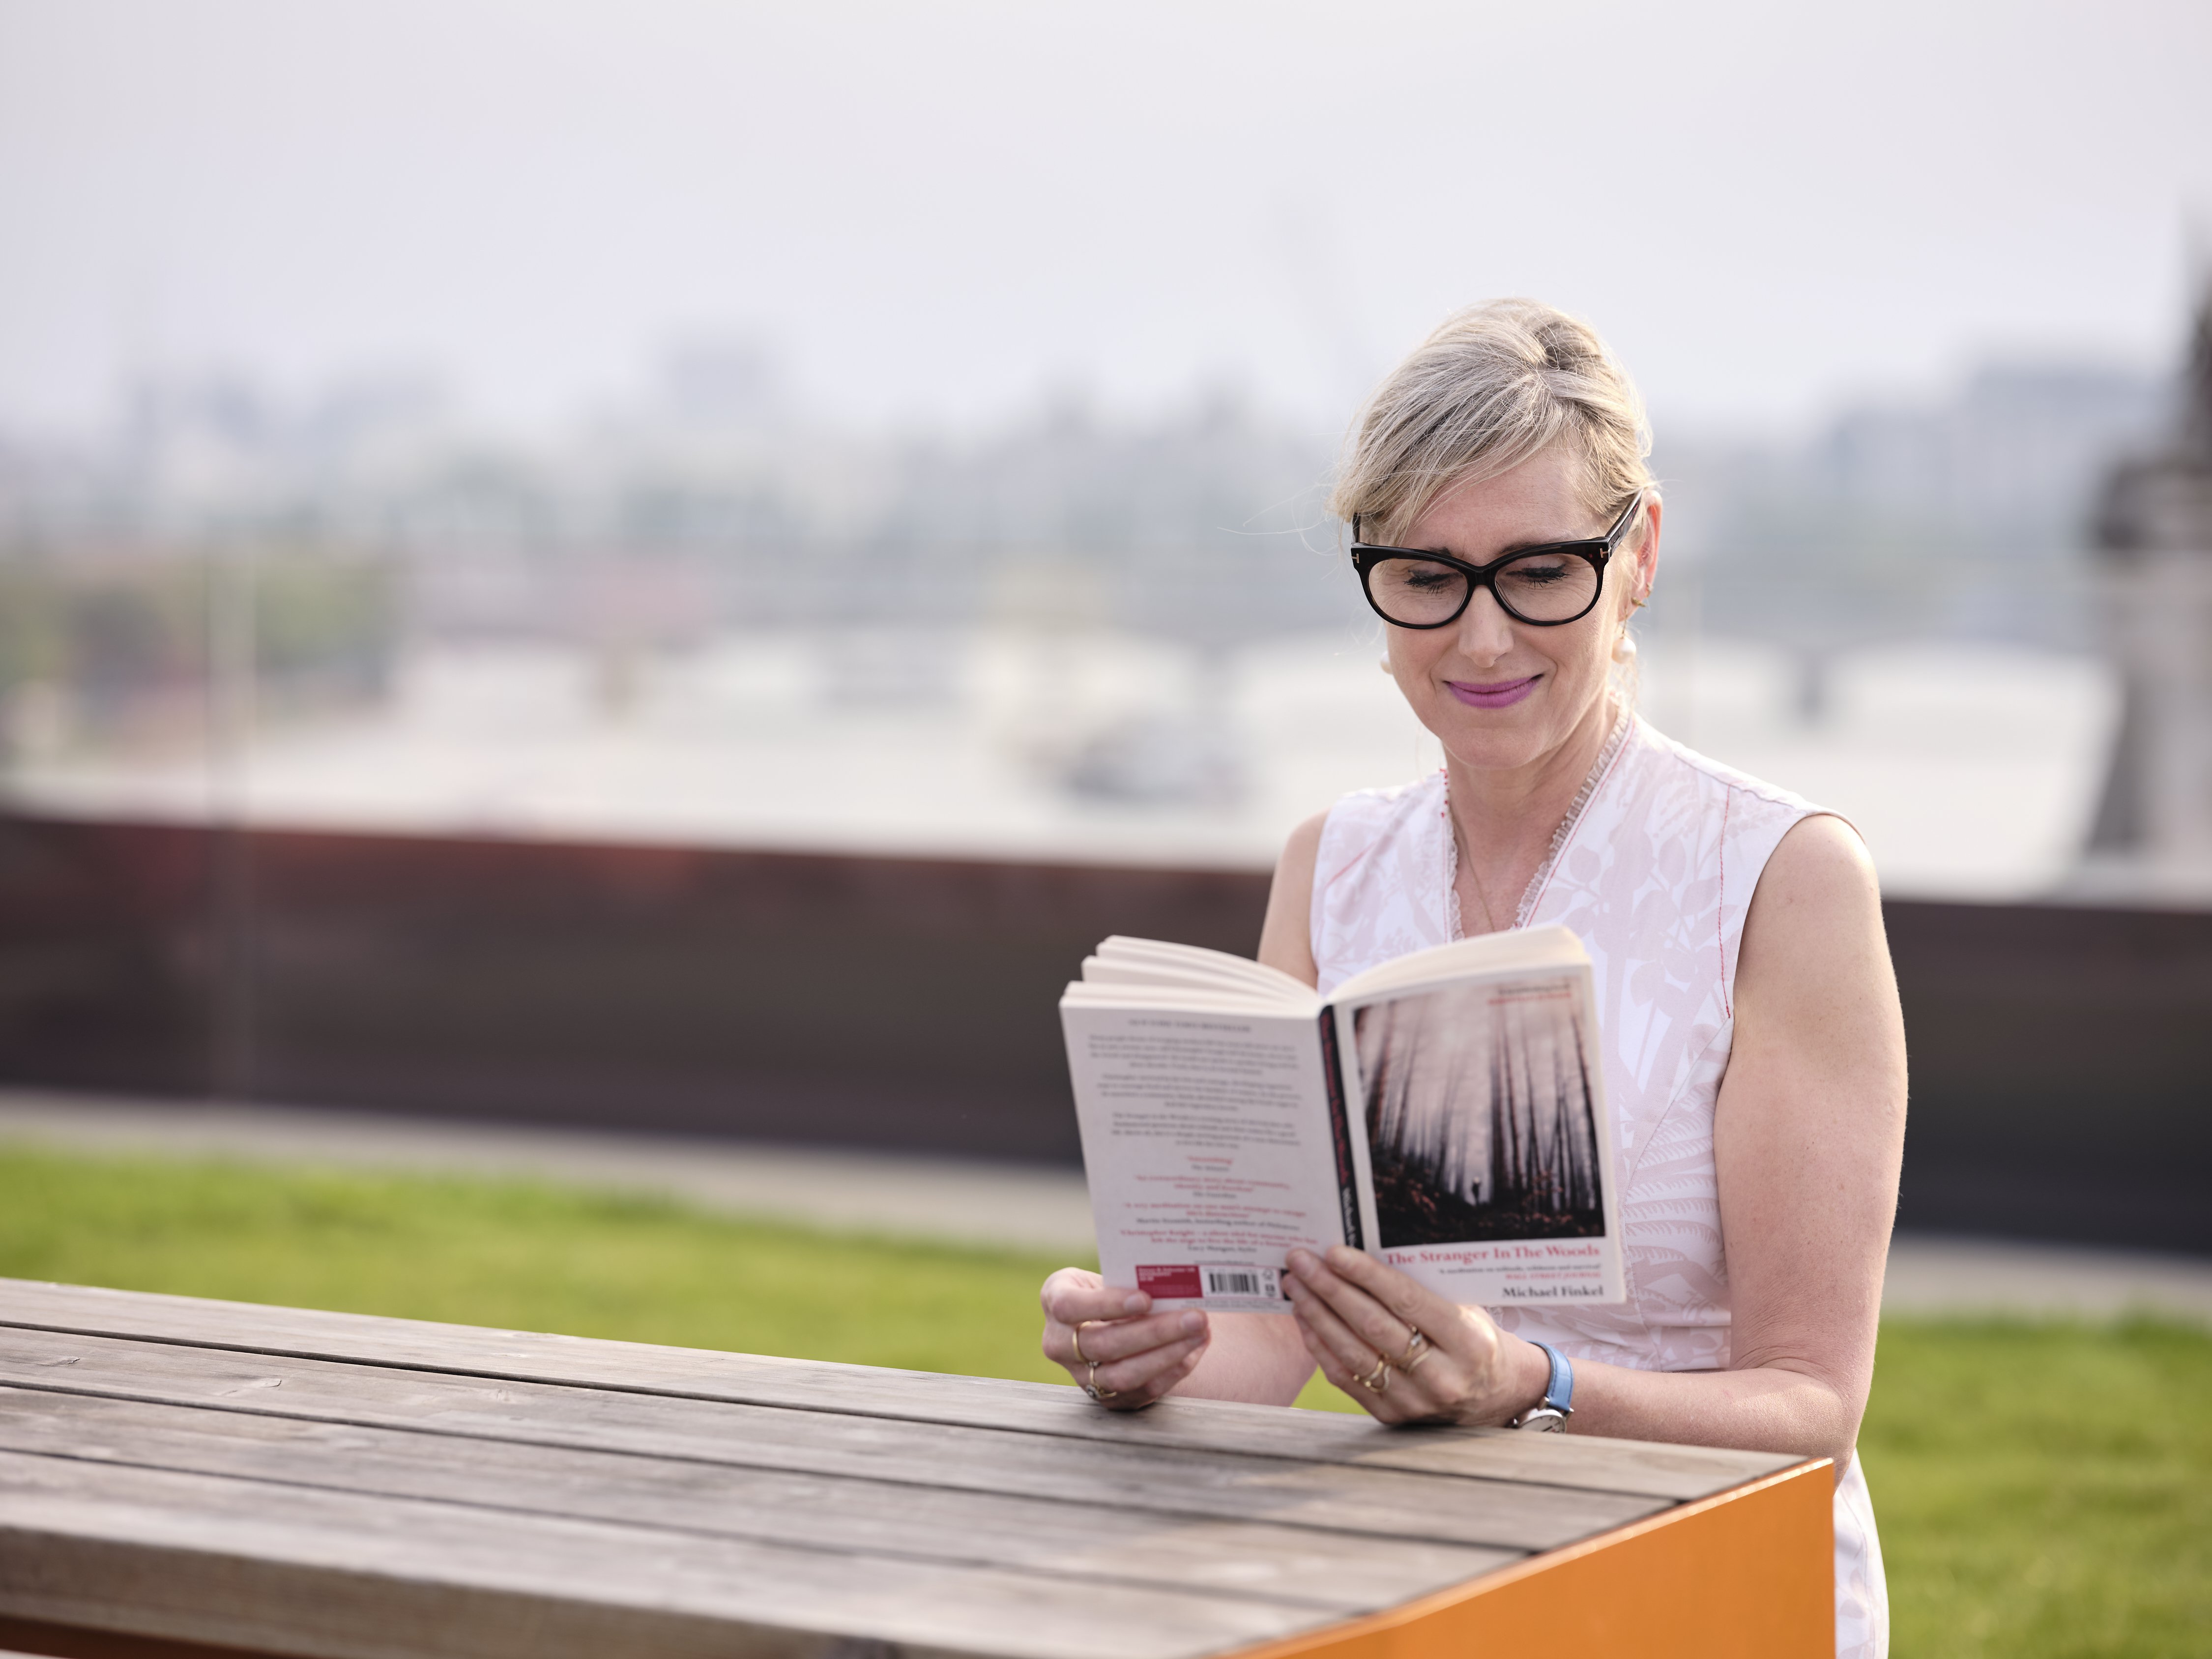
(1546, 586)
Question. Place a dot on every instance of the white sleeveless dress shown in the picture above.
(1653, 869)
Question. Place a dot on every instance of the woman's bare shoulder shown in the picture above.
(1821, 865)
(1287, 935)
(1815, 955)
(1301, 848)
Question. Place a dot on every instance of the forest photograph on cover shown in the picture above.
(1479, 1120)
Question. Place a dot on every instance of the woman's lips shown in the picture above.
(1500, 694)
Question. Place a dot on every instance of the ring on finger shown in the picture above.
(1092, 1387)
(1378, 1380)
(1075, 1335)
(1417, 1348)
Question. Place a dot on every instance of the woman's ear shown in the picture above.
(1647, 550)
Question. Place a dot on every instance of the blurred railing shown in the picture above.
(2058, 1052)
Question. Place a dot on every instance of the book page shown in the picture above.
(1468, 958)
(1207, 1143)
(1186, 961)
(1488, 1172)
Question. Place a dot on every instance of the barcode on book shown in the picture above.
(1243, 1281)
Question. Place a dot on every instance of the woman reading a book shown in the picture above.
(1506, 529)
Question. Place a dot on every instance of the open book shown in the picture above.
(1445, 1111)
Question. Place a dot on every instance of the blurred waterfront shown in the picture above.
(1075, 638)
(1973, 768)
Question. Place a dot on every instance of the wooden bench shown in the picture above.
(181, 1477)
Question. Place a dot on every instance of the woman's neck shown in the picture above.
(1503, 821)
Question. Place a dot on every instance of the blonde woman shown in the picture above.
(1505, 529)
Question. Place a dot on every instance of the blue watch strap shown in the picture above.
(1559, 1392)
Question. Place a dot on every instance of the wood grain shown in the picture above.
(345, 1576)
(1649, 1468)
(1161, 1480)
(1328, 1572)
(39, 1640)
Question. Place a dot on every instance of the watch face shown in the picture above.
(1543, 1420)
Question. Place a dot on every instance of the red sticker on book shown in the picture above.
(1171, 1284)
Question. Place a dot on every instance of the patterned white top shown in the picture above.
(1654, 869)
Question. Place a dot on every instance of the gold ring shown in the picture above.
(1417, 1349)
(1092, 1388)
(1076, 1336)
(1378, 1380)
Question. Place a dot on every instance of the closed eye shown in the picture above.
(1538, 573)
(1428, 577)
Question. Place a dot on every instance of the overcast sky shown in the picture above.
(936, 211)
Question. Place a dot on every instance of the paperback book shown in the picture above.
(1445, 1111)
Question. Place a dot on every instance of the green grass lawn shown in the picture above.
(2044, 1491)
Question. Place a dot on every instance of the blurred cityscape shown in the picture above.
(707, 615)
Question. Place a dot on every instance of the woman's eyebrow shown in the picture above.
(1511, 547)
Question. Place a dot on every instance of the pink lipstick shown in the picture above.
(1503, 693)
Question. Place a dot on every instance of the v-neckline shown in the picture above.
(1561, 835)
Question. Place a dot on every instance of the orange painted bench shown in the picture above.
(181, 1477)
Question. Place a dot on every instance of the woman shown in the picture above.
(1755, 1050)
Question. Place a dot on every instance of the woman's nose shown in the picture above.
(1484, 629)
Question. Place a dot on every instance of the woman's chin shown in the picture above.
(1496, 752)
(1494, 739)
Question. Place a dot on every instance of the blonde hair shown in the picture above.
(1495, 384)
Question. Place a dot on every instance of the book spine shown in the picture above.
(1340, 1130)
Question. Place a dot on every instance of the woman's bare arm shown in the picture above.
(1287, 935)
(1808, 1135)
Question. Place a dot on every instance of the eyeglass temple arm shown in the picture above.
(1620, 524)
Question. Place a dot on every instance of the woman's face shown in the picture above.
(1499, 694)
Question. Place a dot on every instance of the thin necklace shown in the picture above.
(1490, 922)
(1475, 879)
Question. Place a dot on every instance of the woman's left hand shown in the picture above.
(1360, 1320)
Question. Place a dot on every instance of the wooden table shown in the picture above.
(176, 1472)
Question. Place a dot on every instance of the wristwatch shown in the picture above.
(1549, 1415)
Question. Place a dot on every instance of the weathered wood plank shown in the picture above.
(1328, 1572)
(338, 1576)
(34, 1637)
(1158, 1478)
(1645, 1467)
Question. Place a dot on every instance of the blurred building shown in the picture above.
(1958, 516)
(2154, 538)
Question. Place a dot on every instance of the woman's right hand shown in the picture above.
(1130, 1356)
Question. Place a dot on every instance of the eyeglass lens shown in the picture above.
(1543, 587)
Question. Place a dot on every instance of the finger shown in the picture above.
(1426, 1393)
(1374, 1324)
(1067, 1298)
(1314, 1313)
(1136, 1375)
(1351, 1364)
(1119, 1338)
(1383, 1405)
(1158, 1389)
(1441, 1374)
(1325, 1357)
(1386, 1307)
(1413, 1304)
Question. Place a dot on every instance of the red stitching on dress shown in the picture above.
(1720, 910)
(1344, 869)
